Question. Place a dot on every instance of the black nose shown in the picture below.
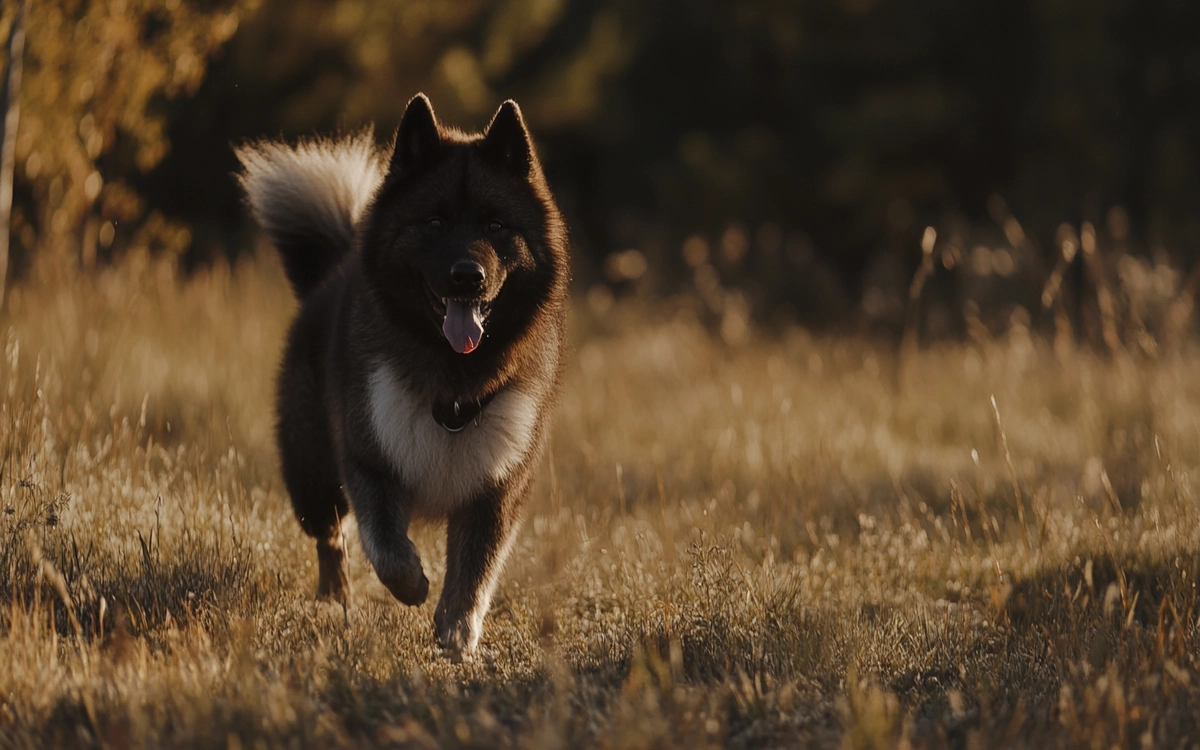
(466, 277)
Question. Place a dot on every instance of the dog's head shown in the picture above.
(463, 235)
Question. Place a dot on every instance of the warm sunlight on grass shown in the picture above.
(789, 541)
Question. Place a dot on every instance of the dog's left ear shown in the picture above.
(506, 140)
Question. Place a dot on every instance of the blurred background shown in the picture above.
(761, 163)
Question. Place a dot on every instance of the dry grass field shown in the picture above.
(789, 542)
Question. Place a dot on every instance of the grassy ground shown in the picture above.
(789, 542)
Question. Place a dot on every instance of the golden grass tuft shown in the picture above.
(773, 544)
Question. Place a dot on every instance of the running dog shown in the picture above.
(423, 367)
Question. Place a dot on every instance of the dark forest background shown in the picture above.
(782, 158)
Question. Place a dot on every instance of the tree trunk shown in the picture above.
(8, 136)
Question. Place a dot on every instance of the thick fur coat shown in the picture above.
(421, 372)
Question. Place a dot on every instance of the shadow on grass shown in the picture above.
(137, 593)
(1094, 652)
(1151, 592)
(766, 677)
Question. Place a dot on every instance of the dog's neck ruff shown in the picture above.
(456, 415)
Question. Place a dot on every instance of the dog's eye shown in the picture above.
(435, 223)
(495, 226)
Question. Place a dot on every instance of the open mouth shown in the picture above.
(462, 320)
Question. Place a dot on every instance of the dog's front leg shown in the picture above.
(383, 510)
(478, 538)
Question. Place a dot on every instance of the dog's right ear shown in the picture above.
(418, 138)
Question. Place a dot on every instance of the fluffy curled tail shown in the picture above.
(309, 198)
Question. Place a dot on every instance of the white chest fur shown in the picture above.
(444, 469)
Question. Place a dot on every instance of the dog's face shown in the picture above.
(461, 235)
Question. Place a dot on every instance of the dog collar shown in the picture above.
(455, 415)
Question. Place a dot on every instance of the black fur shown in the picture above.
(367, 365)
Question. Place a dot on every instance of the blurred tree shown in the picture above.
(11, 101)
(804, 146)
(97, 76)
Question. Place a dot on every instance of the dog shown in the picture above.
(422, 370)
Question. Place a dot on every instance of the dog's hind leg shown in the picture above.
(478, 539)
(331, 582)
(311, 475)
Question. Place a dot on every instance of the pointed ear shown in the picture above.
(418, 138)
(506, 140)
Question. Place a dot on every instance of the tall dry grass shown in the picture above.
(786, 542)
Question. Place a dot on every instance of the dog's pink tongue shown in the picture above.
(463, 326)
